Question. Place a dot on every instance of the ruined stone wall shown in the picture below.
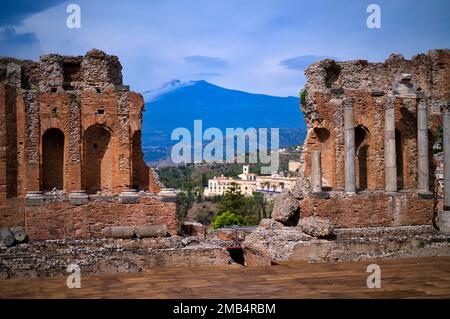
(99, 256)
(371, 86)
(70, 94)
(370, 209)
(59, 219)
(3, 146)
(69, 123)
(12, 212)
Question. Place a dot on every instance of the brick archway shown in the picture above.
(324, 140)
(97, 167)
(140, 171)
(52, 159)
(362, 145)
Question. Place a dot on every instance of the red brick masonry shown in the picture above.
(370, 209)
(59, 219)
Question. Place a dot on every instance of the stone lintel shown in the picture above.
(426, 195)
(322, 195)
(377, 93)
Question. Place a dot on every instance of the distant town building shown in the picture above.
(248, 183)
(439, 173)
(276, 183)
(293, 166)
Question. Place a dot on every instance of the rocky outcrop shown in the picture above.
(297, 190)
(268, 223)
(193, 229)
(317, 227)
(286, 209)
(271, 242)
(43, 258)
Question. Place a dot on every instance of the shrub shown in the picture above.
(303, 95)
(204, 217)
(227, 219)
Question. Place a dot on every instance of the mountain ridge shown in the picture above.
(178, 103)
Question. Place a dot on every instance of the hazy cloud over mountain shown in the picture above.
(301, 62)
(206, 61)
(258, 46)
(19, 45)
(14, 12)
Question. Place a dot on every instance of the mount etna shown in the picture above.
(178, 103)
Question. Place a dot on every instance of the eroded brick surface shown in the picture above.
(69, 123)
(371, 85)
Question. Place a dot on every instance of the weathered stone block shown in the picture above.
(34, 199)
(286, 209)
(78, 198)
(193, 229)
(150, 231)
(129, 197)
(317, 227)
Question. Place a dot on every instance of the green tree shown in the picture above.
(204, 217)
(232, 200)
(303, 95)
(227, 219)
(439, 136)
(184, 202)
(260, 203)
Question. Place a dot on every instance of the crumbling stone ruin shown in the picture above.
(72, 171)
(368, 154)
(71, 162)
(366, 183)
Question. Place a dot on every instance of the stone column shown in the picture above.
(4, 147)
(316, 171)
(422, 149)
(444, 215)
(446, 144)
(349, 146)
(389, 149)
(73, 177)
(32, 142)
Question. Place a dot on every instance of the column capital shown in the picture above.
(445, 108)
(422, 104)
(348, 102)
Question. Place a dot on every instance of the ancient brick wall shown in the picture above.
(96, 256)
(12, 212)
(372, 86)
(58, 219)
(370, 209)
(3, 145)
(72, 95)
(69, 123)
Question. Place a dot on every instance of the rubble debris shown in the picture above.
(149, 231)
(286, 209)
(19, 233)
(118, 232)
(193, 229)
(316, 226)
(7, 236)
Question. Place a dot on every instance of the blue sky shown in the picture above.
(259, 46)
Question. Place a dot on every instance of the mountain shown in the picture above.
(179, 103)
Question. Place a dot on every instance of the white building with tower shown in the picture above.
(248, 183)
